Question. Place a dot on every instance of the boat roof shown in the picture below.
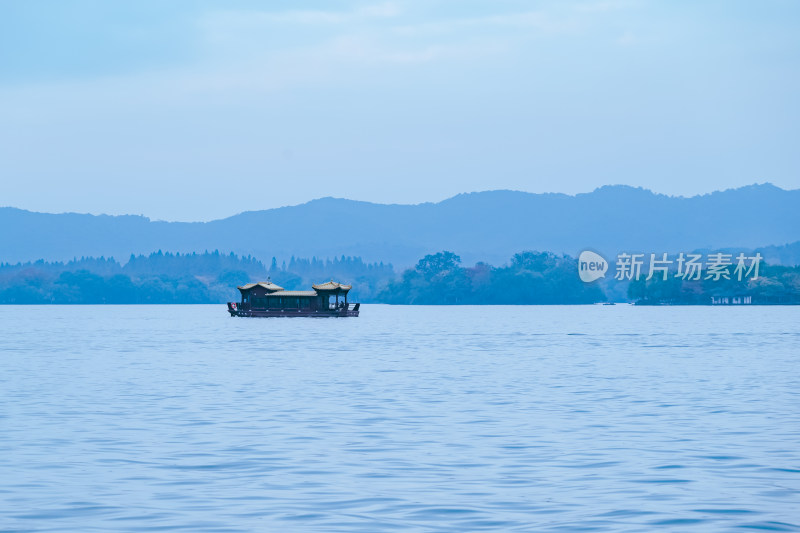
(266, 284)
(277, 290)
(332, 286)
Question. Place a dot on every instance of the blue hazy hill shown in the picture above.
(484, 226)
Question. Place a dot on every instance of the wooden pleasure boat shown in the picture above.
(267, 299)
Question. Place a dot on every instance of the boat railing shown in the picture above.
(344, 306)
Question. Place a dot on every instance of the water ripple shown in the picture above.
(595, 418)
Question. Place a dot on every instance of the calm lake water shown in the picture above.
(585, 418)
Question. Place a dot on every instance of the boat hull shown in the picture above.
(318, 313)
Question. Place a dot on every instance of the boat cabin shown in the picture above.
(268, 299)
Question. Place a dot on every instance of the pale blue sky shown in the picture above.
(194, 110)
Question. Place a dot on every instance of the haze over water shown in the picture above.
(141, 418)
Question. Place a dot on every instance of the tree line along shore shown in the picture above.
(529, 277)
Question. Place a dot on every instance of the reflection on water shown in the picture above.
(141, 418)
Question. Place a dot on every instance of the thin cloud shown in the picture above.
(605, 5)
(539, 20)
(253, 18)
(626, 39)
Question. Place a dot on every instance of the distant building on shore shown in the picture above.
(731, 300)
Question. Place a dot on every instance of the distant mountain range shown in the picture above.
(485, 226)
